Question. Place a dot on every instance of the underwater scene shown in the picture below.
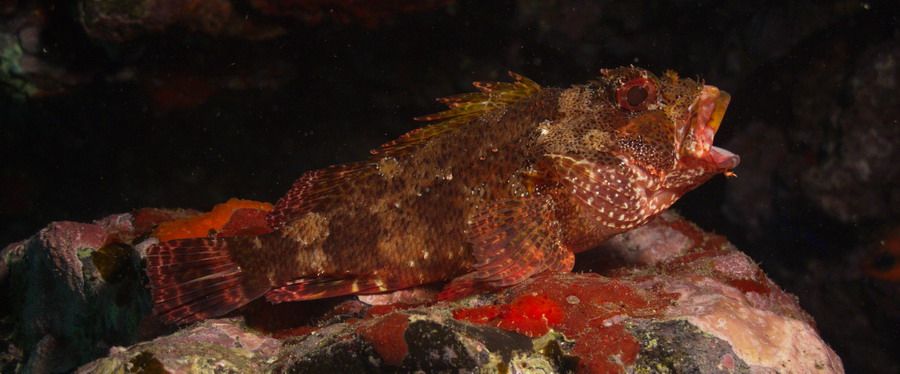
(398, 186)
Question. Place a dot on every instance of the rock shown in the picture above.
(665, 297)
(817, 185)
(856, 178)
(74, 293)
(369, 13)
(222, 346)
(116, 21)
(25, 70)
(840, 152)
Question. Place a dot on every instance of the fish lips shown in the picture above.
(723, 158)
(711, 109)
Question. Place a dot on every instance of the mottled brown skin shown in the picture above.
(407, 224)
(493, 194)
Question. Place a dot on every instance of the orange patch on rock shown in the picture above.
(200, 226)
(146, 219)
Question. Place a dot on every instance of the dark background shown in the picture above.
(105, 110)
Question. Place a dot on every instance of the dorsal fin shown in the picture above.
(319, 189)
(463, 107)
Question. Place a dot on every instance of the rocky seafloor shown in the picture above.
(666, 297)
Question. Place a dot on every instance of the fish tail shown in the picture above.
(195, 279)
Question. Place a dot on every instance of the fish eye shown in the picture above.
(636, 94)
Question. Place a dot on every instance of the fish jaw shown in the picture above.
(708, 112)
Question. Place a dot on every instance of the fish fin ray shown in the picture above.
(195, 279)
(462, 109)
(317, 190)
(320, 288)
(512, 240)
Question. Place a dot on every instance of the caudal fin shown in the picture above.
(195, 279)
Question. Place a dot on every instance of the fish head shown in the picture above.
(668, 123)
(643, 139)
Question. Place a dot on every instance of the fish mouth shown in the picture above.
(708, 115)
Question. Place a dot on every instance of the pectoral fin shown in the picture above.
(512, 240)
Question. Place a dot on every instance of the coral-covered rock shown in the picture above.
(220, 346)
(25, 70)
(74, 290)
(667, 296)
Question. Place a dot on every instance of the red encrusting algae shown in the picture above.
(528, 315)
(586, 309)
(482, 314)
(388, 337)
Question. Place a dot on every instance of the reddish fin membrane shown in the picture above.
(317, 190)
(320, 288)
(195, 279)
(512, 240)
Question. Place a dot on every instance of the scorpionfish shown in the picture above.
(509, 182)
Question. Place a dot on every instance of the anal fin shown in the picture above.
(512, 240)
(320, 288)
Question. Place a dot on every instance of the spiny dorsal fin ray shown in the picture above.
(318, 189)
(463, 107)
